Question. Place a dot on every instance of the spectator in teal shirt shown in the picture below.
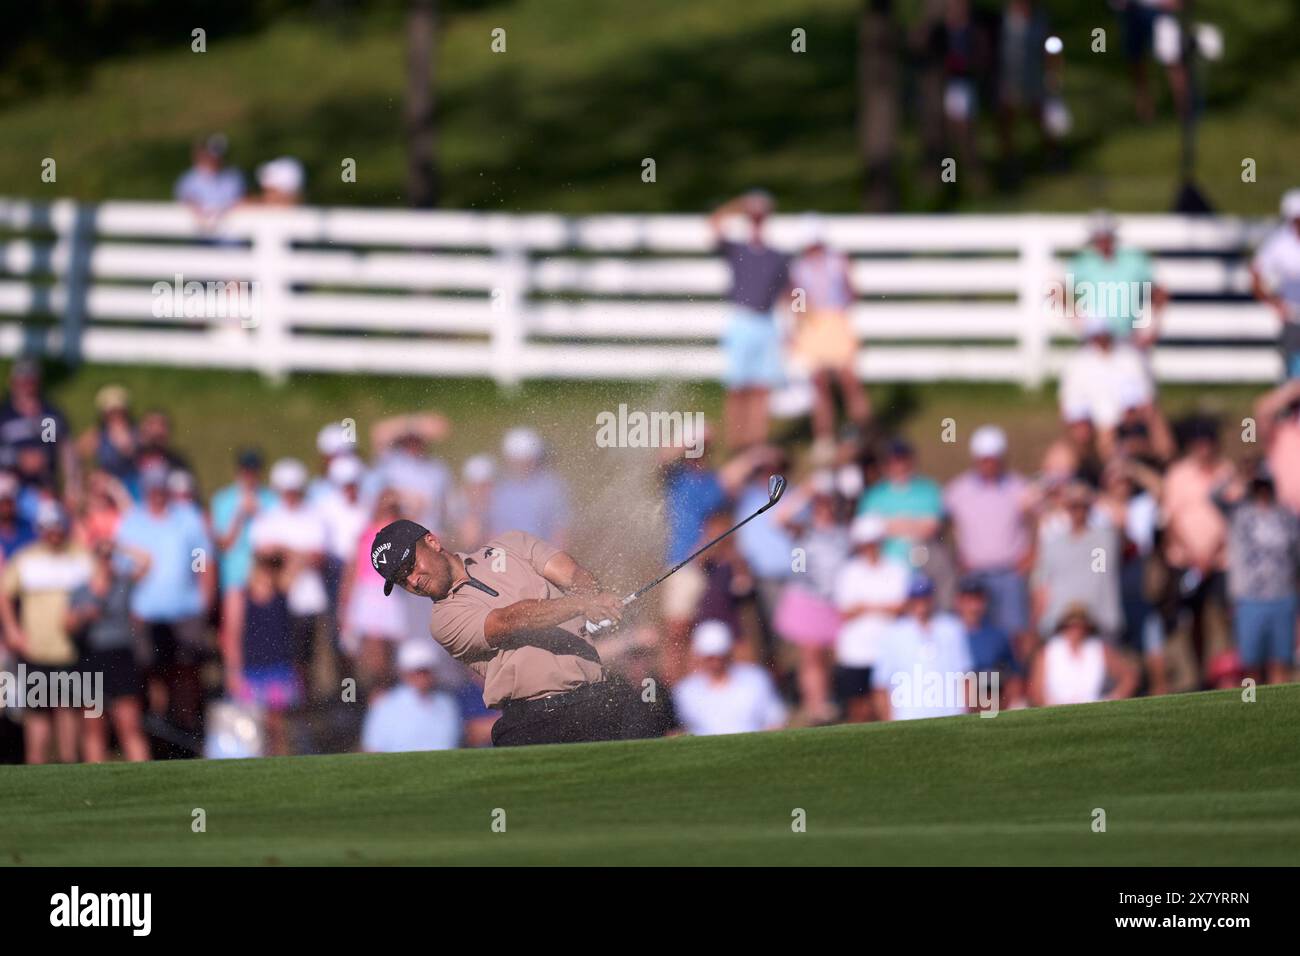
(1116, 284)
(233, 510)
(912, 505)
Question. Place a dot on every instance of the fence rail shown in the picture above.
(519, 297)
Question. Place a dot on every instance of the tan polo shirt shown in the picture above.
(42, 579)
(544, 662)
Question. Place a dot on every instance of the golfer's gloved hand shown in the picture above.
(605, 608)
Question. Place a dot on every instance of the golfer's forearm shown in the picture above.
(502, 623)
(564, 572)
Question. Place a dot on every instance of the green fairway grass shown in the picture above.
(1202, 779)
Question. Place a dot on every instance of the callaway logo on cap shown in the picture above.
(393, 551)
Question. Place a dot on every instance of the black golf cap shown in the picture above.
(393, 551)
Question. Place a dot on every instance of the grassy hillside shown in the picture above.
(586, 90)
(1200, 779)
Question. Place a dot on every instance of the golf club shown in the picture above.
(775, 488)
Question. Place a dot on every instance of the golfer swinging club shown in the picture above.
(515, 612)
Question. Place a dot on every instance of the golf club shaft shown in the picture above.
(776, 496)
(681, 564)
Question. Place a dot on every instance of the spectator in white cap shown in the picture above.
(529, 496)
(471, 502)
(1099, 373)
(1115, 285)
(183, 490)
(722, 695)
(344, 512)
(281, 182)
(990, 509)
(346, 516)
(404, 462)
(869, 592)
(415, 715)
(1275, 280)
(332, 441)
(299, 536)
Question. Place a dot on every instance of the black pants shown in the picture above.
(609, 710)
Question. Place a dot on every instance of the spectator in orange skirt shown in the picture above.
(824, 342)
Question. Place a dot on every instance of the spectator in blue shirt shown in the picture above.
(694, 491)
(173, 598)
(990, 646)
(924, 664)
(766, 547)
(15, 530)
(209, 187)
(529, 496)
(35, 440)
(111, 443)
(415, 715)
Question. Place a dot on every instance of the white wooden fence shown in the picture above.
(608, 297)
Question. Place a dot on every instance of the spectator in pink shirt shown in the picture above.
(1196, 537)
(371, 626)
(1278, 415)
(989, 508)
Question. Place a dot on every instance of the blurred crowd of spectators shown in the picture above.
(211, 187)
(1137, 555)
(259, 599)
(1133, 536)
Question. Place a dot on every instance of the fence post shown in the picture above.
(270, 338)
(80, 236)
(509, 318)
(1035, 273)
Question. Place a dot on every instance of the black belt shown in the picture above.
(547, 705)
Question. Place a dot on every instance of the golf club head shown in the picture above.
(775, 488)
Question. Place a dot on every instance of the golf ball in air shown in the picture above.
(1053, 45)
